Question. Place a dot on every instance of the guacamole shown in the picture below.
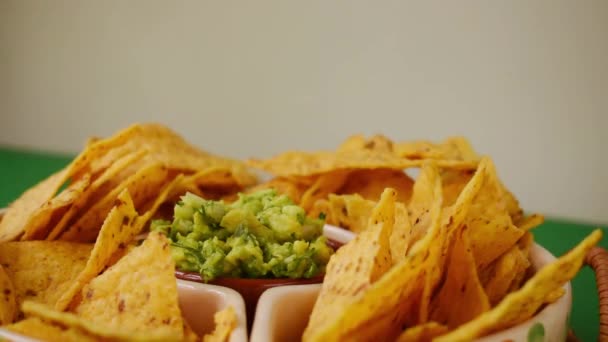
(261, 235)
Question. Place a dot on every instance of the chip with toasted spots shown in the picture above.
(42, 220)
(41, 271)
(353, 269)
(118, 230)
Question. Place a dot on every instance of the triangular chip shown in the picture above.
(117, 231)
(42, 220)
(350, 212)
(36, 328)
(531, 222)
(326, 184)
(522, 304)
(354, 268)
(401, 235)
(96, 191)
(20, 211)
(138, 294)
(8, 303)
(461, 297)
(492, 231)
(141, 186)
(225, 322)
(42, 271)
(371, 183)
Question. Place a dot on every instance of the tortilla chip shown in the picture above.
(376, 142)
(523, 304)
(423, 333)
(171, 190)
(462, 297)
(303, 164)
(42, 271)
(424, 197)
(118, 230)
(401, 235)
(71, 321)
(326, 184)
(225, 322)
(19, 212)
(492, 231)
(8, 303)
(453, 152)
(36, 328)
(354, 268)
(371, 183)
(42, 220)
(531, 222)
(350, 212)
(105, 183)
(138, 294)
(141, 186)
(389, 301)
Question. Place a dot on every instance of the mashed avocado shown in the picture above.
(261, 235)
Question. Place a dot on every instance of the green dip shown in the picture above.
(261, 235)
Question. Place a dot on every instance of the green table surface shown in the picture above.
(21, 169)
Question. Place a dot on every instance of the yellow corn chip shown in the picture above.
(20, 211)
(454, 152)
(43, 219)
(118, 230)
(326, 184)
(100, 332)
(141, 186)
(400, 237)
(36, 328)
(225, 322)
(461, 298)
(491, 230)
(423, 333)
(138, 294)
(110, 178)
(8, 303)
(376, 142)
(371, 183)
(350, 212)
(522, 304)
(531, 222)
(42, 271)
(302, 164)
(354, 268)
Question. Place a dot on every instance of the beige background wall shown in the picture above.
(526, 81)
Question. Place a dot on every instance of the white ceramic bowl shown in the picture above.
(199, 302)
(282, 312)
